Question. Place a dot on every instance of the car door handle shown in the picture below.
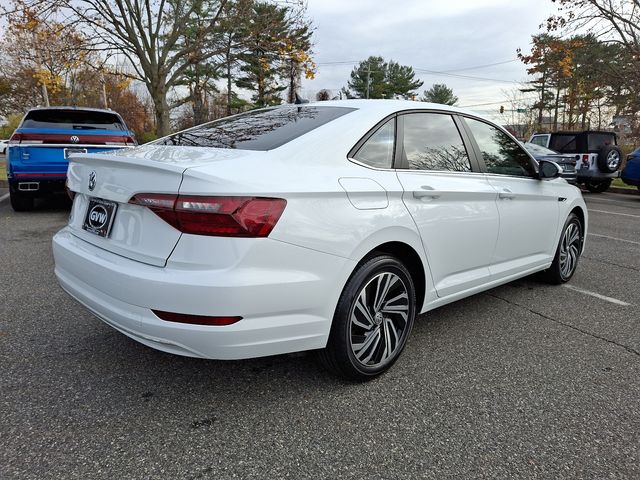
(506, 195)
(426, 192)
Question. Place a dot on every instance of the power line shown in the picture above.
(466, 77)
(481, 66)
(447, 70)
(447, 73)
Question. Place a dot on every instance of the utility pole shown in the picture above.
(368, 77)
(104, 90)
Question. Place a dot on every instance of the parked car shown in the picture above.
(3, 146)
(39, 149)
(599, 157)
(567, 162)
(325, 226)
(631, 172)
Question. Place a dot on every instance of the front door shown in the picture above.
(528, 207)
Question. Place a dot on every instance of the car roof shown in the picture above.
(74, 107)
(581, 132)
(391, 106)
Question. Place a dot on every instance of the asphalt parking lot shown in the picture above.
(526, 380)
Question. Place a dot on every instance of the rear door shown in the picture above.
(528, 207)
(451, 202)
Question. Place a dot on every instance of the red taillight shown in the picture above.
(215, 216)
(195, 319)
(15, 138)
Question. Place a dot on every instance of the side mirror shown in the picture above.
(548, 170)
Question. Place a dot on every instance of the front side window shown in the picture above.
(378, 150)
(501, 154)
(431, 141)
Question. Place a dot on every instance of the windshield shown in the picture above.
(73, 119)
(263, 129)
(539, 150)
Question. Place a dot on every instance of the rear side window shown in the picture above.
(263, 129)
(501, 154)
(563, 143)
(73, 120)
(432, 142)
(378, 150)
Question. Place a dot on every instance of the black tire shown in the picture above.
(384, 274)
(609, 159)
(558, 272)
(598, 187)
(21, 202)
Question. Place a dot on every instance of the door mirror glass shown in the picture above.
(548, 170)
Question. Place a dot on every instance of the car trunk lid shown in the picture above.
(135, 232)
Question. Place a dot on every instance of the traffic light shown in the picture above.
(501, 109)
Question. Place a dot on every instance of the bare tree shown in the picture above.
(149, 34)
(611, 20)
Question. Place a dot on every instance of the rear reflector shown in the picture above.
(81, 138)
(215, 216)
(195, 319)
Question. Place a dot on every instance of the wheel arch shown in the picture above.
(411, 259)
(581, 214)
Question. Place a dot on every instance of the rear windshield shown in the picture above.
(264, 129)
(73, 120)
(598, 140)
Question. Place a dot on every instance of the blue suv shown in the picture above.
(38, 151)
(631, 173)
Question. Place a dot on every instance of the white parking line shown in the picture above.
(614, 213)
(4, 197)
(597, 295)
(614, 238)
(628, 199)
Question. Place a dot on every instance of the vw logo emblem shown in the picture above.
(92, 181)
(74, 139)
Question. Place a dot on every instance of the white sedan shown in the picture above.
(326, 226)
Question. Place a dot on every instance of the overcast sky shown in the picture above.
(435, 35)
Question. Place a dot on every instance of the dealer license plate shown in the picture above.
(99, 217)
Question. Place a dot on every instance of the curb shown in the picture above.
(627, 191)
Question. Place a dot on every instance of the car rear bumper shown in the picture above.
(38, 185)
(584, 174)
(285, 310)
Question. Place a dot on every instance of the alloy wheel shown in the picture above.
(613, 160)
(379, 320)
(569, 250)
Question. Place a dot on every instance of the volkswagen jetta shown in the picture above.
(327, 226)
